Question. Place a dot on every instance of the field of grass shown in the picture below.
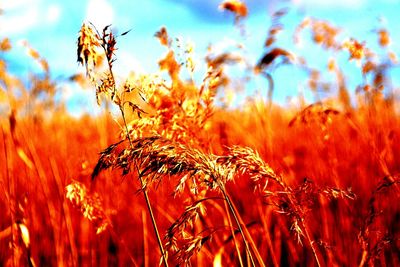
(166, 175)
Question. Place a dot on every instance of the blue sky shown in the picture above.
(51, 27)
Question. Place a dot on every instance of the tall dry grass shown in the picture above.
(313, 185)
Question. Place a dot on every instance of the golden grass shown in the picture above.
(345, 230)
(260, 185)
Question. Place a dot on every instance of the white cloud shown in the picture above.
(79, 101)
(127, 63)
(53, 13)
(16, 4)
(100, 13)
(352, 4)
(19, 16)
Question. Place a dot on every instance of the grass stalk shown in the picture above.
(312, 244)
(107, 47)
(146, 197)
(233, 234)
(235, 216)
(11, 196)
(66, 213)
(267, 235)
(248, 236)
(145, 241)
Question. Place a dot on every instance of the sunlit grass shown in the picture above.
(177, 178)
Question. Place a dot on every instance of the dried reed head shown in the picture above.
(356, 49)
(155, 157)
(235, 6)
(5, 45)
(88, 45)
(323, 33)
(90, 205)
(179, 241)
(373, 237)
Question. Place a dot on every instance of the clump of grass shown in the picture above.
(154, 158)
(89, 41)
(372, 238)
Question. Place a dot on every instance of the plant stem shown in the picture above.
(270, 88)
(313, 248)
(105, 46)
(146, 197)
(230, 205)
(248, 236)
(11, 196)
(233, 235)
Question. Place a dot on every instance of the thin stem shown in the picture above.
(146, 197)
(105, 46)
(233, 235)
(121, 241)
(313, 248)
(247, 234)
(302, 223)
(230, 205)
(11, 198)
(267, 235)
(270, 87)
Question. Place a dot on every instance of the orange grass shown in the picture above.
(311, 185)
(346, 229)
